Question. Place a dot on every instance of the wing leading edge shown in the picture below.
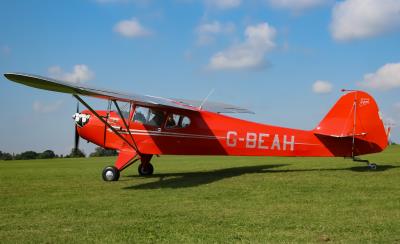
(86, 90)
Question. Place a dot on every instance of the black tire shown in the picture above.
(110, 173)
(145, 169)
(372, 166)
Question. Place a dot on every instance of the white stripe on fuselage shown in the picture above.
(186, 135)
(171, 134)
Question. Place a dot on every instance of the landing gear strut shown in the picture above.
(110, 173)
(371, 166)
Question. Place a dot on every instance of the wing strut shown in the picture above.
(105, 127)
(106, 123)
(126, 125)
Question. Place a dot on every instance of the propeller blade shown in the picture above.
(76, 144)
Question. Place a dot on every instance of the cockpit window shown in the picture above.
(148, 116)
(124, 108)
(177, 121)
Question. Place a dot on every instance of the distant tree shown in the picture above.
(27, 155)
(76, 153)
(47, 154)
(6, 156)
(102, 152)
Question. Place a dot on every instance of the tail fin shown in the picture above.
(356, 123)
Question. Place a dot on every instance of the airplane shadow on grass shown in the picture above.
(192, 179)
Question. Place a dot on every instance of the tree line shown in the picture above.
(48, 154)
(75, 153)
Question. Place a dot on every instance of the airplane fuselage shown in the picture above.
(215, 134)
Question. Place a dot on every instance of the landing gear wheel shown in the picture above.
(110, 173)
(372, 166)
(145, 169)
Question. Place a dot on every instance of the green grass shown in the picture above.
(203, 199)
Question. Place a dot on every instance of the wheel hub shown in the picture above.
(109, 175)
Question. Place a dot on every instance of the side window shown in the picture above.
(148, 116)
(156, 118)
(177, 121)
(172, 121)
(185, 122)
(141, 114)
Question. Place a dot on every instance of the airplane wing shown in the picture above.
(86, 90)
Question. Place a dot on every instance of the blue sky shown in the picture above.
(284, 59)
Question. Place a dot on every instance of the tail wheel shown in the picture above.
(110, 173)
(145, 169)
(372, 166)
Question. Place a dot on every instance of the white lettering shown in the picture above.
(276, 143)
(251, 140)
(231, 140)
(291, 143)
(261, 141)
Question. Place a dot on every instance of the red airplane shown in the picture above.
(159, 126)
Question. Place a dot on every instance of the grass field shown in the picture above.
(203, 199)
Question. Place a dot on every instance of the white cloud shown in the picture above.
(206, 32)
(131, 28)
(297, 5)
(249, 54)
(80, 73)
(358, 19)
(46, 108)
(385, 78)
(223, 4)
(322, 87)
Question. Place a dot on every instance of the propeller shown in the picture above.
(76, 144)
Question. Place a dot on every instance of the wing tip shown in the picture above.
(12, 75)
(8, 75)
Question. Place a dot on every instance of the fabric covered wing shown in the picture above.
(86, 90)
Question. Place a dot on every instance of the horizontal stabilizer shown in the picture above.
(341, 136)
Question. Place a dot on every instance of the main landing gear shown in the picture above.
(145, 168)
(371, 166)
(110, 173)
